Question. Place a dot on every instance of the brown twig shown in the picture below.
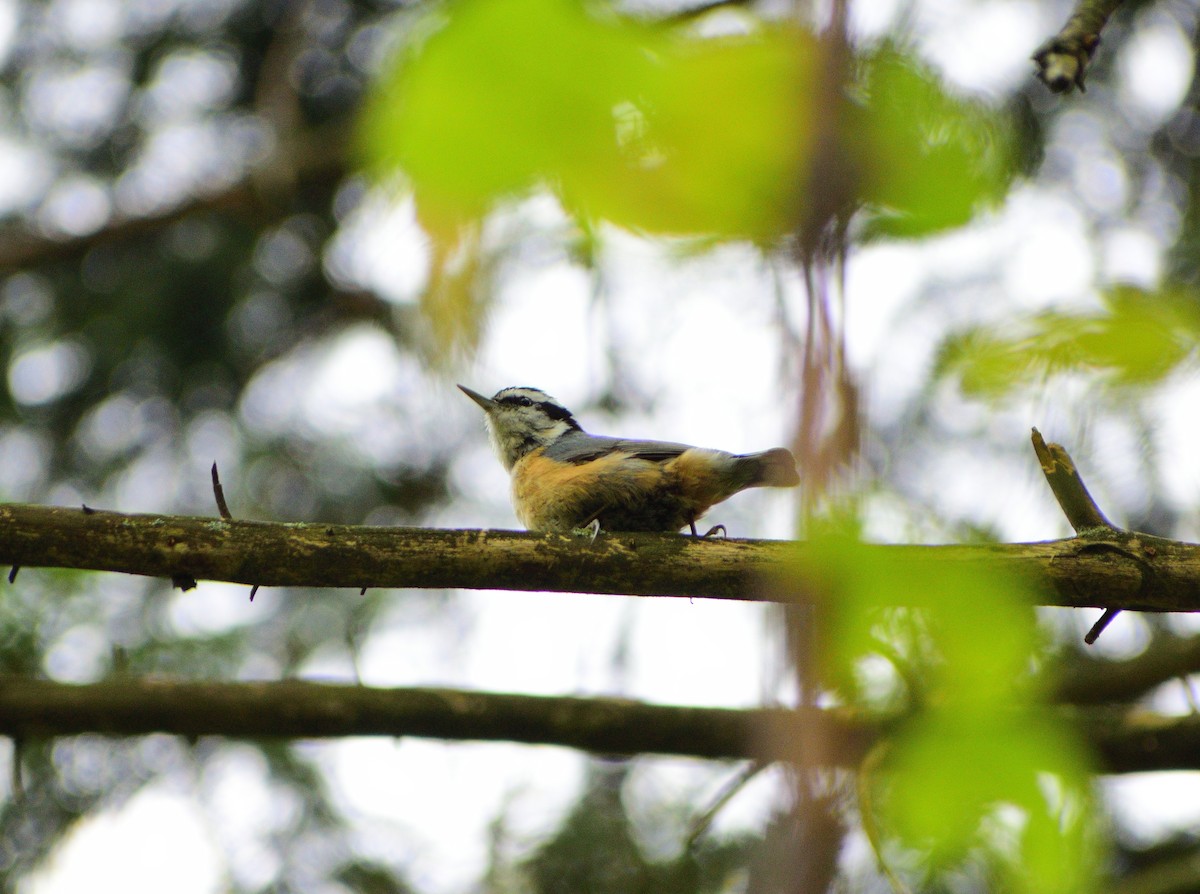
(703, 821)
(1077, 504)
(1062, 60)
(1072, 495)
(694, 12)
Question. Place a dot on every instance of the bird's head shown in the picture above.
(522, 419)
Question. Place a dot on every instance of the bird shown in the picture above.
(565, 479)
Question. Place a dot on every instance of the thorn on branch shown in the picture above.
(88, 510)
(362, 592)
(184, 582)
(223, 508)
(12, 575)
(219, 493)
(17, 780)
(1077, 504)
(1098, 627)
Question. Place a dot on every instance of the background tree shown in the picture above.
(194, 271)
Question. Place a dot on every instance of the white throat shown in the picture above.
(511, 442)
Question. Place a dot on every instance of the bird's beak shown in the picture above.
(486, 402)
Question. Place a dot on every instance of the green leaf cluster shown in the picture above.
(932, 159)
(628, 122)
(663, 131)
(978, 776)
(1135, 338)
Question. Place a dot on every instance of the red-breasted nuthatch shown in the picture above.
(564, 479)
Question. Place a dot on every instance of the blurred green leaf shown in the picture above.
(979, 624)
(506, 92)
(596, 851)
(662, 131)
(1137, 338)
(931, 160)
(976, 755)
(725, 139)
(637, 124)
(1010, 782)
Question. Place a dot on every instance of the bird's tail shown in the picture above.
(772, 468)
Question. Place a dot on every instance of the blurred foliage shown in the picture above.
(595, 851)
(366, 877)
(168, 280)
(633, 123)
(1136, 338)
(661, 130)
(182, 173)
(981, 777)
(930, 160)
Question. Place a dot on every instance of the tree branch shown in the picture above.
(304, 710)
(1083, 680)
(1063, 59)
(1126, 570)
(1132, 742)
(315, 157)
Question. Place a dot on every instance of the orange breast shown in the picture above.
(626, 493)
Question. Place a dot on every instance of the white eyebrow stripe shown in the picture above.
(534, 394)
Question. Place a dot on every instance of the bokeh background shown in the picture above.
(218, 244)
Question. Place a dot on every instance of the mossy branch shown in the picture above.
(1120, 571)
(305, 710)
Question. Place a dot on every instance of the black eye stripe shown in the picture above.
(554, 411)
(550, 408)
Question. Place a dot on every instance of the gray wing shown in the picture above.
(580, 447)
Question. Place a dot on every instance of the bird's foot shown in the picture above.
(590, 530)
(710, 533)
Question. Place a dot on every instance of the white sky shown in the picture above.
(700, 333)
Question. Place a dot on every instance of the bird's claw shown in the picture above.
(710, 533)
(591, 530)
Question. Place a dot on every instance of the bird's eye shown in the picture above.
(524, 402)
